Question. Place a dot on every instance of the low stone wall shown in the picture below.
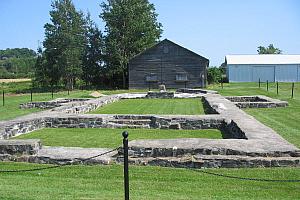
(160, 95)
(19, 147)
(136, 121)
(18, 127)
(196, 91)
(256, 102)
(51, 104)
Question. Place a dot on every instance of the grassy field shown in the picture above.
(285, 121)
(110, 137)
(17, 93)
(106, 182)
(153, 106)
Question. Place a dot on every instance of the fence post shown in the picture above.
(293, 85)
(222, 83)
(259, 82)
(31, 95)
(267, 85)
(126, 172)
(52, 92)
(277, 87)
(3, 97)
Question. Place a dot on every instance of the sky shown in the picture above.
(211, 28)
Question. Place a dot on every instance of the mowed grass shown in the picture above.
(14, 97)
(154, 106)
(89, 137)
(106, 182)
(11, 108)
(285, 121)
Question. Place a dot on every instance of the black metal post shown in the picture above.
(3, 98)
(259, 82)
(184, 84)
(52, 92)
(222, 83)
(31, 94)
(267, 85)
(68, 91)
(293, 85)
(149, 85)
(126, 172)
(277, 87)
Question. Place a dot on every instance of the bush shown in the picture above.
(214, 75)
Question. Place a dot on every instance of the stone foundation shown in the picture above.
(256, 102)
(160, 95)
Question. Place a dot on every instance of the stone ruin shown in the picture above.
(246, 143)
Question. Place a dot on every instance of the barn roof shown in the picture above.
(262, 59)
(167, 41)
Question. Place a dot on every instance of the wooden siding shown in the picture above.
(166, 60)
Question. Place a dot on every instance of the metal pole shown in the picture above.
(222, 83)
(277, 87)
(259, 82)
(293, 85)
(68, 90)
(52, 92)
(267, 85)
(31, 95)
(3, 97)
(126, 172)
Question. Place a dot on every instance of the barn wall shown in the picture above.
(251, 73)
(240, 73)
(166, 60)
(286, 73)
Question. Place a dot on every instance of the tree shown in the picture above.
(268, 50)
(64, 43)
(93, 59)
(131, 27)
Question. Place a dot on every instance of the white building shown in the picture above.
(271, 67)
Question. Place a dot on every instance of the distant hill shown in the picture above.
(17, 63)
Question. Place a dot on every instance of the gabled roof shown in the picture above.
(262, 59)
(169, 41)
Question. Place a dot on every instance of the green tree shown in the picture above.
(64, 43)
(268, 50)
(93, 60)
(131, 27)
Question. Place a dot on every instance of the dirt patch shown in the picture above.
(14, 80)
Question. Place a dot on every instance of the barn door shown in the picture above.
(264, 73)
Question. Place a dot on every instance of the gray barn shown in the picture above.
(170, 64)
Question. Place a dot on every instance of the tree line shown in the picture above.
(76, 51)
(17, 62)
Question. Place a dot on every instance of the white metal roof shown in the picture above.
(262, 59)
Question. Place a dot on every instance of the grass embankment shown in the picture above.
(154, 106)
(285, 121)
(106, 182)
(89, 137)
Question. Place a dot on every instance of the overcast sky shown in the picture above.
(211, 28)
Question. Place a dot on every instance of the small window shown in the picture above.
(181, 77)
(166, 50)
(151, 78)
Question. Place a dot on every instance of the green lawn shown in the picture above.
(106, 182)
(17, 93)
(110, 137)
(154, 106)
(12, 101)
(285, 121)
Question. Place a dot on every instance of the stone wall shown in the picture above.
(256, 102)
(160, 95)
(51, 104)
(19, 147)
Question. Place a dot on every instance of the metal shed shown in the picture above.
(267, 67)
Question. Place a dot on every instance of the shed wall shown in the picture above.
(251, 73)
